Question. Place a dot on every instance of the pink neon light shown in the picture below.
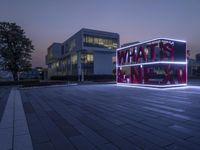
(140, 71)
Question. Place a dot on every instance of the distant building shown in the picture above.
(5, 75)
(198, 64)
(34, 73)
(192, 67)
(88, 52)
(45, 73)
(198, 57)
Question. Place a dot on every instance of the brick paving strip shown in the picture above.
(14, 133)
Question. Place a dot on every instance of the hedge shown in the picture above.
(86, 78)
(20, 82)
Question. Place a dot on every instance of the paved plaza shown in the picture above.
(101, 117)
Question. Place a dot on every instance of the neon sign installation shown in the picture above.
(160, 62)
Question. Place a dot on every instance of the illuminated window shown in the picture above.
(87, 58)
(100, 42)
(91, 40)
(90, 58)
(74, 59)
(57, 64)
(96, 41)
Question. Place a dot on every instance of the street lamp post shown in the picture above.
(82, 76)
(81, 71)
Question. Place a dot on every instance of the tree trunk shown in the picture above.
(15, 76)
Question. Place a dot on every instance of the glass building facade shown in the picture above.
(86, 52)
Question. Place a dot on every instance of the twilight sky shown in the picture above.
(47, 21)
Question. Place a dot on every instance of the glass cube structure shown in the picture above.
(159, 62)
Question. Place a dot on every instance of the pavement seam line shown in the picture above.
(13, 117)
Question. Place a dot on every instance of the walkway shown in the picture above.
(14, 133)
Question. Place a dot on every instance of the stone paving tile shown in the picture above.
(108, 146)
(21, 130)
(149, 136)
(117, 140)
(195, 140)
(106, 124)
(38, 133)
(54, 115)
(143, 144)
(44, 146)
(93, 124)
(28, 108)
(4, 93)
(113, 117)
(55, 135)
(67, 129)
(22, 142)
(6, 138)
(91, 135)
(80, 143)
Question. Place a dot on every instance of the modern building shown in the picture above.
(159, 62)
(54, 60)
(87, 52)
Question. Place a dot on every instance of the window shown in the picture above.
(72, 45)
(74, 64)
(101, 42)
(87, 58)
(74, 59)
(96, 41)
(87, 63)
